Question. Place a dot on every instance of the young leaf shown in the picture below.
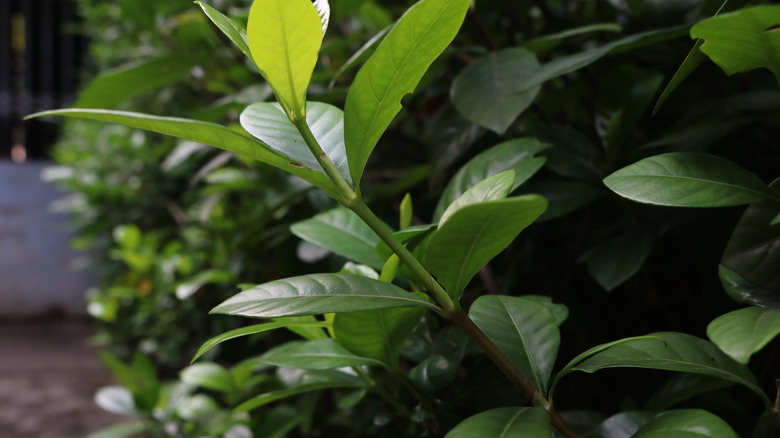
(683, 179)
(376, 334)
(202, 132)
(475, 234)
(342, 232)
(745, 292)
(394, 71)
(267, 122)
(284, 37)
(743, 332)
(490, 189)
(323, 354)
(319, 293)
(686, 423)
(524, 330)
(486, 93)
(234, 32)
(207, 375)
(743, 40)
(518, 155)
(505, 422)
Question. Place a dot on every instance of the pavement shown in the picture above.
(48, 378)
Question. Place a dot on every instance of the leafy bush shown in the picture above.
(535, 106)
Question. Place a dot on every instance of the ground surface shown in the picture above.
(48, 376)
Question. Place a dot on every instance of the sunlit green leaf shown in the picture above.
(505, 423)
(207, 375)
(686, 423)
(490, 189)
(743, 332)
(361, 54)
(235, 32)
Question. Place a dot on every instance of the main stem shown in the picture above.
(351, 200)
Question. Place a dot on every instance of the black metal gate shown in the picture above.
(39, 60)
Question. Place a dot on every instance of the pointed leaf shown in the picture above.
(486, 93)
(284, 37)
(323, 354)
(319, 293)
(615, 261)
(682, 179)
(474, 235)
(743, 40)
(524, 330)
(689, 64)
(361, 54)
(394, 71)
(232, 30)
(544, 44)
(505, 423)
(559, 311)
(518, 155)
(376, 334)
(342, 232)
(267, 122)
(745, 292)
(202, 132)
(490, 189)
(686, 423)
(207, 375)
(621, 425)
(743, 332)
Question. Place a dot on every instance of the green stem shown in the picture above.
(348, 196)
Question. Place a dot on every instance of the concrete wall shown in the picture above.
(35, 259)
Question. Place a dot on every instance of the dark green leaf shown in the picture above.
(617, 260)
(743, 332)
(559, 311)
(544, 44)
(491, 188)
(323, 354)
(572, 154)
(475, 234)
(563, 197)
(319, 293)
(342, 232)
(686, 423)
(394, 71)
(505, 423)
(207, 375)
(486, 93)
(682, 387)
(621, 425)
(524, 330)
(745, 292)
(235, 32)
(682, 179)
(440, 367)
(309, 381)
(689, 64)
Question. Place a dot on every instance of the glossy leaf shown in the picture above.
(342, 232)
(323, 10)
(267, 122)
(475, 234)
(323, 354)
(743, 332)
(490, 189)
(113, 87)
(686, 423)
(518, 155)
(743, 40)
(376, 334)
(559, 311)
(202, 132)
(439, 368)
(319, 293)
(505, 423)
(621, 425)
(284, 37)
(615, 261)
(207, 375)
(524, 330)
(116, 399)
(683, 179)
(682, 387)
(232, 30)
(745, 292)
(486, 93)
(394, 71)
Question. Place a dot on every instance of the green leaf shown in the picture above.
(410, 236)
(745, 292)
(440, 367)
(572, 154)
(505, 423)
(267, 122)
(188, 287)
(753, 251)
(544, 44)
(686, 423)
(322, 354)
(361, 54)
(319, 293)
(235, 32)
(624, 424)
(486, 93)
(682, 179)
(284, 37)
(682, 387)
(518, 155)
(743, 40)
(308, 381)
(563, 197)
(342, 232)
(475, 234)
(116, 399)
(121, 430)
(201, 132)
(666, 351)
(490, 189)
(394, 71)
(743, 332)
(113, 87)
(559, 311)
(615, 261)
(376, 334)
(524, 330)
(689, 64)
(207, 375)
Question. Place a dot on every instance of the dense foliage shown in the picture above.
(463, 126)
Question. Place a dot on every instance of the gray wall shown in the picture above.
(35, 258)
